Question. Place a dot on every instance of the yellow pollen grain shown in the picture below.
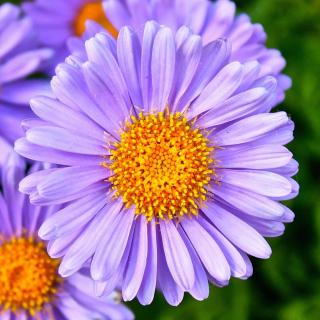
(28, 276)
(93, 11)
(161, 166)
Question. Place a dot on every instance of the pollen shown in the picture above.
(93, 11)
(28, 276)
(161, 166)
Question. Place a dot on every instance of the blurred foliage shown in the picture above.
(287, 286)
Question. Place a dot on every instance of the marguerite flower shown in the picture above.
(56, 21)
(19, 58)
(30, 286)
(171, 160)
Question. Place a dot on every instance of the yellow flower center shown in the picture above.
(28, 276)
(93, 11)
(161, 166)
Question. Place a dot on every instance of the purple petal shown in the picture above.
(237, 231)
(220, 88)
(267, 228)
(150, 32)
(13, 34)
(137, 260)
(29, 183)
(259, 157)
(23, 64)
(288, 215)
(65, 220)
(207, 249)
(148, 285)
(11, 117)
(262, 182)
(77, 178)
(222, 19)
(294, 191)
(64, 140)
(236, 263)
(248, 202)
(289, 170)
(70, 88)
(171, 291)
(129, 58)
(58, 248)
(214, 56)
(5, 226)
(162, 68)
(108, 101)
(21, 92)
(200, 290)
(62, 116)
(256, 127)
(109, 70)
(38, 153)
(86, 243)
(116, 12)
(8, 13)
(37, 199)
(177, 256)
(109, 252)
(187, 62)
(237, 106)
(12, 172)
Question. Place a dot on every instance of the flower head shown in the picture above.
(30, 286)
(161, 166)
(171, 161)
(19, 58)
(56, 21)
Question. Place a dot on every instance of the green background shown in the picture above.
(287, 286)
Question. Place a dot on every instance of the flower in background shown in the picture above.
(69, 22)
(211, 20)
(56, 21)
(19, 58)
(30, 286)
(173, 165)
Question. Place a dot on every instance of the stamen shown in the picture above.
(28, 276)
(161, 165)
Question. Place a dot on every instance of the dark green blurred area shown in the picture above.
(287, 286)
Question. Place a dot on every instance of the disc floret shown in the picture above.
(161, 165)
(28, 276)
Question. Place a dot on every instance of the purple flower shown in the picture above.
(30, 286)
(211, 20)
(171, 159)
(63, 22)
(19, 58)
(56, 21)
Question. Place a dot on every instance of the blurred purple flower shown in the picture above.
(171, 160)
(211, 20)
(60, 22)
(30, 287)
(19, 58)
(56, 21)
